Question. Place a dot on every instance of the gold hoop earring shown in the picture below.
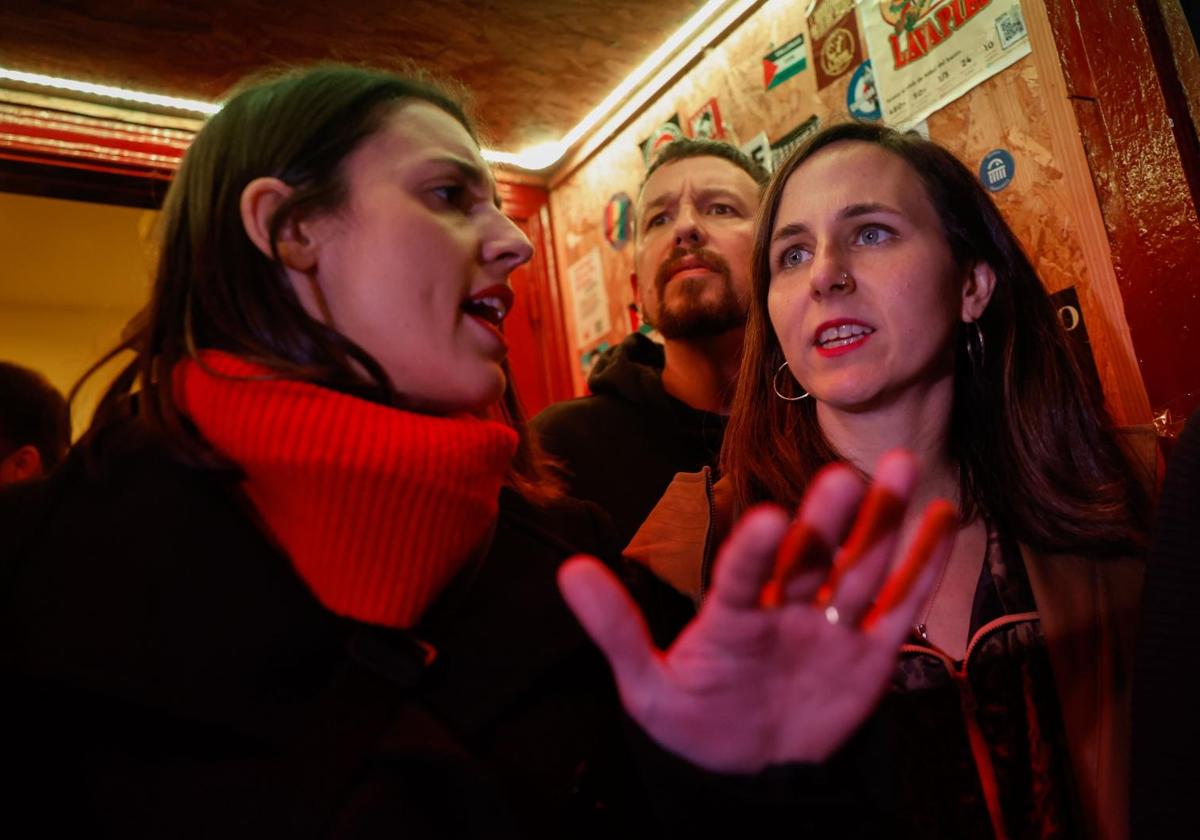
(775, 385)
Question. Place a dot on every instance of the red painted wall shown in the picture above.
(537, 351)
(1119, 74)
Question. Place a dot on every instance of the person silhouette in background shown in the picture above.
(35, 424)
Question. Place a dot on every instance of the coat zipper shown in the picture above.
(979, 748)
(708, 559)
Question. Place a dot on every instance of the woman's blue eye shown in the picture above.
(874, 235)
(792, 257)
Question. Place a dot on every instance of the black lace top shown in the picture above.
(979, 746)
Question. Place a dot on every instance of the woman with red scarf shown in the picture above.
(302, 576)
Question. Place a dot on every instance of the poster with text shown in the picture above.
(586, 279)
(759, 151)
(927, 53)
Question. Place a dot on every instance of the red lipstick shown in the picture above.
(840, 336)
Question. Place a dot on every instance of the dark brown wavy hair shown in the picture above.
(1035, 449)
(214, 289)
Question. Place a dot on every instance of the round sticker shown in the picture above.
(997, 170)
(618, 220)
(666, 133)
(861, 97)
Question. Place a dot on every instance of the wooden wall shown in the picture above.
(1051, 204)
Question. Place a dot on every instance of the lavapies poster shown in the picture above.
(927, 53)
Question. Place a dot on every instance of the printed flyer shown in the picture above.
(586, 280)
(927, 53)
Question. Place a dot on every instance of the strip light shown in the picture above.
(668, 71)
(110, 92)
(633, 91)
(547, 154)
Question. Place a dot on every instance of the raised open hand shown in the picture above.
(793, 646)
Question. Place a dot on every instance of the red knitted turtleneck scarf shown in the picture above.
(377, 508)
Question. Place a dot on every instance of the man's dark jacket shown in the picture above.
(622, 445)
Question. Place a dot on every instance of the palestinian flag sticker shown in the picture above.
(782, 63)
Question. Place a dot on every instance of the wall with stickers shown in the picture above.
(979, 76)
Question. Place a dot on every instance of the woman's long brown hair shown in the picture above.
(1035, 448)
(213, 289)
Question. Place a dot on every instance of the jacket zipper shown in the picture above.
(708, 559)
(979, 748)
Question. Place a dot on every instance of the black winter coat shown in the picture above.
(1166, 727)
(167, 674)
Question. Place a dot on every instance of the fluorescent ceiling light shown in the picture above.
(718, 13)
(533, 158)
(667, 71)
(638, 76)
(109, 92)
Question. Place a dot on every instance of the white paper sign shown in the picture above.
(759, 151)
(590, 297)
(927, 53)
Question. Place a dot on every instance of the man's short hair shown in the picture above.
(32, 413)
(686, 147)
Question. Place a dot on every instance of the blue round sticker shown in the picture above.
(997, 170)
(862, 100)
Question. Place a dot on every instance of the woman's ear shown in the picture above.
(21, 465)
(261, 198)
(977, 291)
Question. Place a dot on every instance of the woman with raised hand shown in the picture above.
(893, 307)
(301, 576)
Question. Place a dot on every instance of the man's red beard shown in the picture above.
(690, 316)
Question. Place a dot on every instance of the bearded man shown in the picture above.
(658, 409)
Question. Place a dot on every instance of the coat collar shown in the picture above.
(1089, 614)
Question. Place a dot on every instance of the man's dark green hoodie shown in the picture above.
(622, 445)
